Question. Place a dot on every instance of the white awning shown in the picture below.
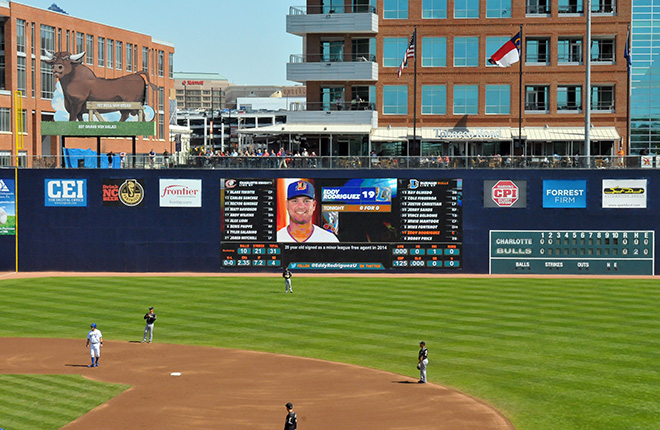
(309, 129)
(568, 133)
(462, 134)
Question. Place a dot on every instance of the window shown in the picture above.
(101, 51)
(493, 44)
(602, 98)
(569, 98)
(498, 8)
(466, 99)
(161, 63)
(570, 7)
(59, 39)
(33, 40)
(48, 38)
(161, 112)
(434, 9)
(537, 50)
(603, 6)
(393, 50)
(80, 42)
(21, 74)
(602, 50)
(466, 8)
(111, 53)
(5, 119)
(569, 50)
(395, 9)
(89, 55)
(363, 49)
(332, 98)
(47, 81)
(434, 52)
(129, 57)
(3, 84)
(119, 49)
(536, 98)
(538, 7)
(145, 59)
(332, 50)
(466, 52)
(498, 99)
(434, 99)
(20, 36)
(395, 100)
(68, 40)
(171, 65)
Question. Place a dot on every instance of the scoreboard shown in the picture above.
(378, 223)
(575, 252)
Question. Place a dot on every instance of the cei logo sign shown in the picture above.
(65, 192)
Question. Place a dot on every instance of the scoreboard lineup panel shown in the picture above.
(587, 252)
(381, 224)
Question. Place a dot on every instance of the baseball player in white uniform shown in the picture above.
(94, 341)
(300, 205)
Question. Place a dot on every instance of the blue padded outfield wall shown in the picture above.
(64, 224)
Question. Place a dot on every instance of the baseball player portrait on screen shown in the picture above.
(301, 208)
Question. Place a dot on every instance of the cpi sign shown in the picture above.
(505, 193)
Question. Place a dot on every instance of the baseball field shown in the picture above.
(539, 353)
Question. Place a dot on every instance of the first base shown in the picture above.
(175, 374)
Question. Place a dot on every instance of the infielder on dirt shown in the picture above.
(94, 341)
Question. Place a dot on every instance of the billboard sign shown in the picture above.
(182, 193)
(564, 194)
(65, 192)
(624, 193)
(7, 207)
(505, 193)
(123, 192)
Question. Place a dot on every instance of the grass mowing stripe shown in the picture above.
(543, 350)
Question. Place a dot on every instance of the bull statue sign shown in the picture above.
(85, 93)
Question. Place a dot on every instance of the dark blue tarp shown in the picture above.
(74, 158)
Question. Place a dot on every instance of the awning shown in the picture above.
(462, 134)
(309, 129)
(568, 133)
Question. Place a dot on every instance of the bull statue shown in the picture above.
(80, 85)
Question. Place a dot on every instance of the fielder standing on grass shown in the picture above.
(287, 280)
(291, 422)
(94, 342)
(423, 362)
(149, 328)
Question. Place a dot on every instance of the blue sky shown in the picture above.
(245, 41)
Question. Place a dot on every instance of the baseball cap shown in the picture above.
(93, 325)
(422, 343)
(151, 307)
(289, 405)
(300, 188)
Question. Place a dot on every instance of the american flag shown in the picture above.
(410, 52)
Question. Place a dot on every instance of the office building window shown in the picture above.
(536, 98)
(466, 52)
(395, 9)
(33, 40)
(434, 99)
(47, 81)
(498, 8)
(498, 99)
(602, 98)
(68, 40)
(492, 45)
(3, 75)
(20, 36)
(569, 50)
(466, 99)
(90, 50)
(537, 50)
(434, 52)
(59, 39)
(111, 54)
(161, 63)
(80, 43)
(570, 7)
(434, 9)
(602, 50)
(538, 7)
(119, 50)
(5, 119)
(145, 59)
(569, 98)
(129, 57)
(393, 50)
(466, 8)
(21, 74)
(603, 6)
(171, 65)
(395, 100)
(47, 38)
(101, 51)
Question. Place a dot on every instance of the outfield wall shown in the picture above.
(149, 238)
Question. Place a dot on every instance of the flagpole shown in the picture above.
(587, 85)
(415, 97)
(628, 84)
(521, 95)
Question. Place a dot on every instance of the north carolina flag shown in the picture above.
(508, 54)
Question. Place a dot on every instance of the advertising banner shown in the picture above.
(7, 207)
(123, 192)
(505, 193)
(624, 193)
(564, 194)
(65, 192)
(181, 193)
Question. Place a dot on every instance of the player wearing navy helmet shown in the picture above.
(94, 342)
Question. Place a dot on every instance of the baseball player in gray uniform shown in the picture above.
(94, 342)
(287, 280)
(423, 362)
(149, 328)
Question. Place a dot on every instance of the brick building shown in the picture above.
(27, 84)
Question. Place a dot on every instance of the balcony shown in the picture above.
(357, 20)
(331, 68)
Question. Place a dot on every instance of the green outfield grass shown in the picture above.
(550, 354)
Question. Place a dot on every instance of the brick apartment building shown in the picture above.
(27, 83)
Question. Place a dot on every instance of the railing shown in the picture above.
(185, 161)
(318, 10)
(331, 58)
(336, 105)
